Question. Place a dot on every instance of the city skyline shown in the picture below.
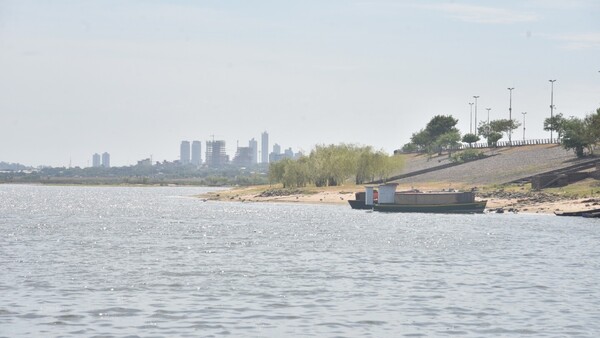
(138, 77)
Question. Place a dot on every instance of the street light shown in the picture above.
(551, 108)
(476, 97)
(471, 119)
(524, 113)
(510, 114)
(488, 121)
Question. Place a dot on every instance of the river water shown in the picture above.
(156, 262)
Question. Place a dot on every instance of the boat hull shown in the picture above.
(577, 213)
(460, 208)
(359, 204)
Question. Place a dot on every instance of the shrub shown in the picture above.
(467, 155)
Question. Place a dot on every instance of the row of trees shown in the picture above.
(441, 134)
(578, 134)
(332, 165)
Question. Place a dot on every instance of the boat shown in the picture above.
(450, 201)
(360, 201)
(577, 213)
(591, 214)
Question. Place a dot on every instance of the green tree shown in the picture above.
(448, 141)
(440, 125)
(333, 165)
(593, 124)
(409, 147)
(421, 139)
(276, 171)
(576, 136)
(556, 123)
(580, 135)
(505, 126)
(470, 139)
(492, 132)
(493, 138)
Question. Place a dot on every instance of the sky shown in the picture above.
(135, 78)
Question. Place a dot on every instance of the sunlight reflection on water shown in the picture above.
(118, 261)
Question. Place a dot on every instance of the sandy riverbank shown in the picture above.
(536, 203)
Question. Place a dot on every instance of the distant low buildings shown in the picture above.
(276, 155)
(147, 162)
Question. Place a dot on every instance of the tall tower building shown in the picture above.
(253, 145)
(184, 152)
(106, 160)
(264, 147)
(196, 153)
(96, 160)
(215, 154)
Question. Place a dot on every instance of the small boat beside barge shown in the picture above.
(593, 213)
(417, 201)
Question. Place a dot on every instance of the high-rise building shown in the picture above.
(215, 154)
(276, 155)
(184, 152)
(243, 157)
(196, 153)
(96, 160)
(106, 160)
(253, 145)
(264, 147)
(276, 149)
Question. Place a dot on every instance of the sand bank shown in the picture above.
(341, 195)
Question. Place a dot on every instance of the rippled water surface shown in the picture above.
(111, 261)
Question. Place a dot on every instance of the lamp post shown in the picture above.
(476, 97)
(471, 119)
(510, 114)
(524, 113)
(551, 107)
(488, 121)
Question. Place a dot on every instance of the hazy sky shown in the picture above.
(134, 78)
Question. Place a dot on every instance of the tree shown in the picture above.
(470, 138)
(593, 123)
(409, 147)
(448, 141)
(504, 126)
(575, 136)
(555, 123)
(333, 165)
(493, 131)
(428, 138)
(276, 171)
(581, 134)
(493, 138)
(484, 130)
(440, 125)
(421, 139)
